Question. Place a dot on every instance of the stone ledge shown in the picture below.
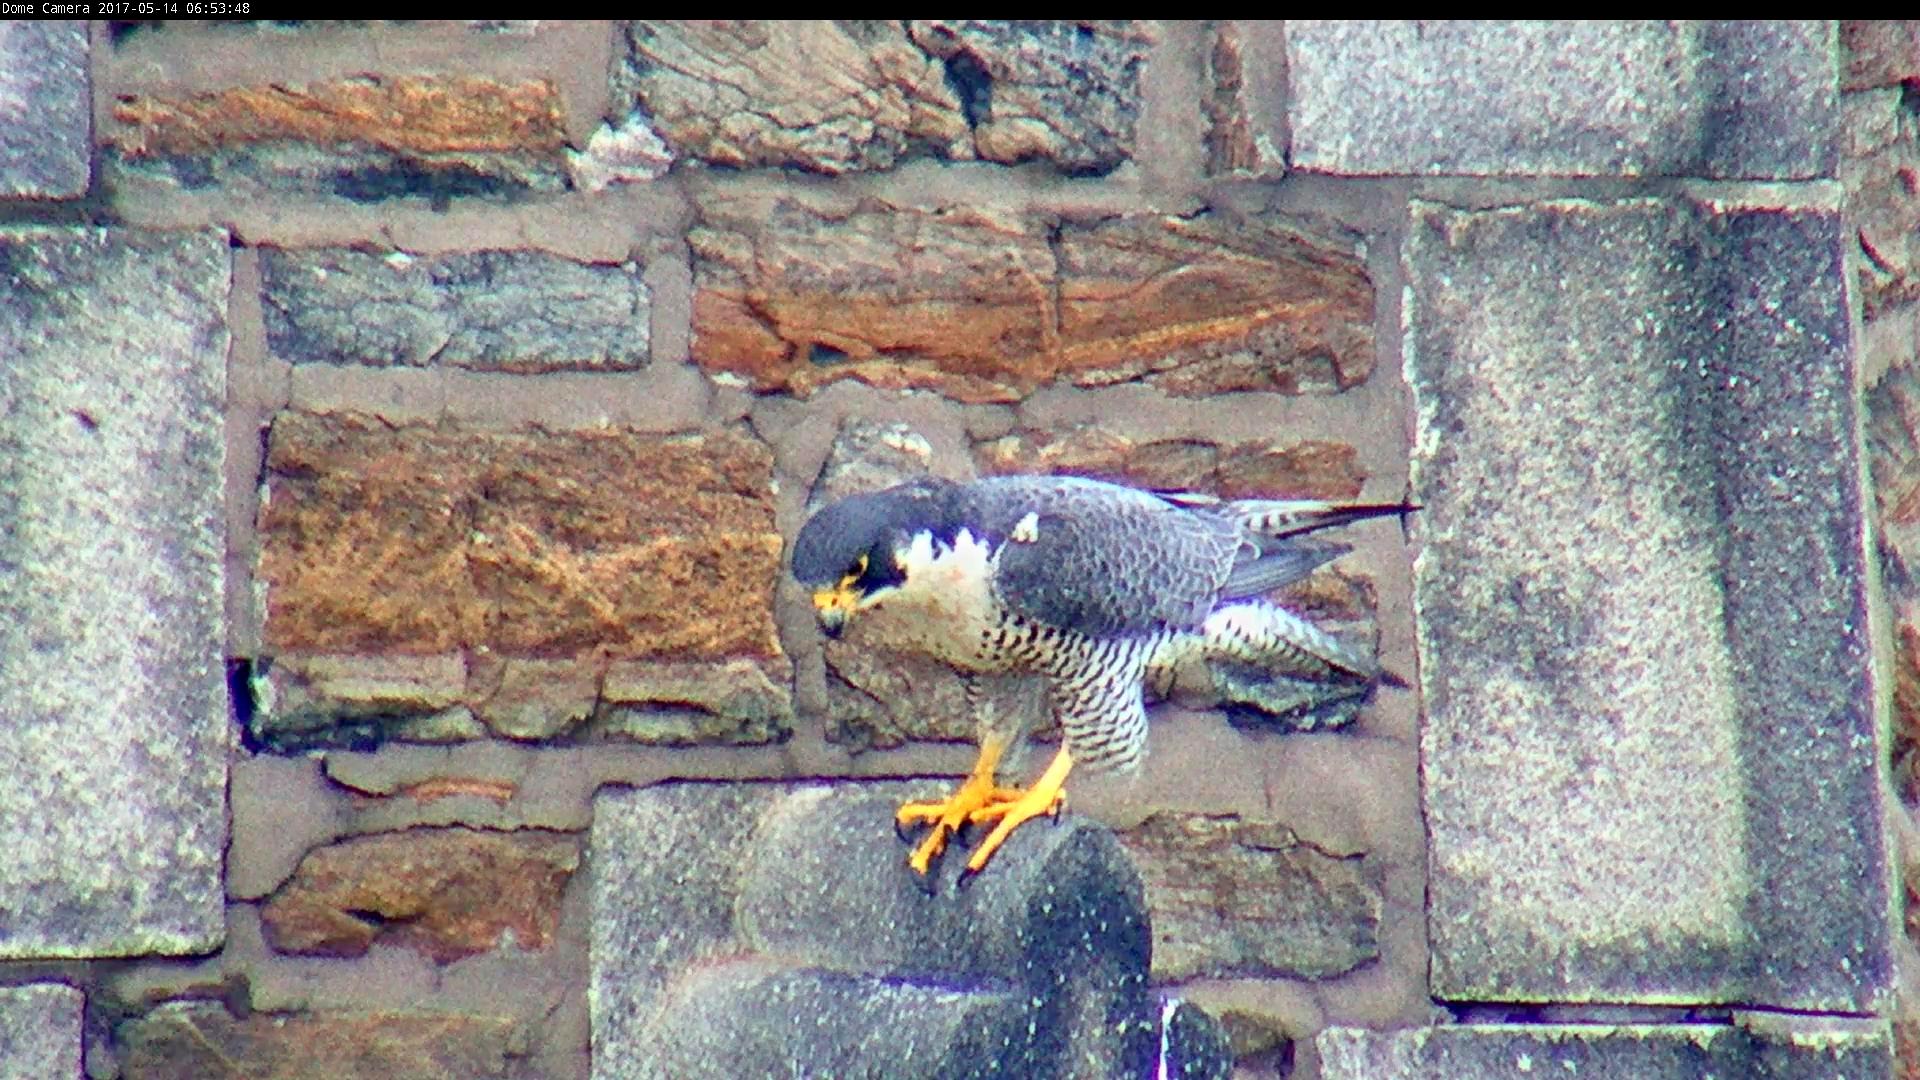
(1710, 99)
(785, 915)
(1794, 1048)
(1643, 579)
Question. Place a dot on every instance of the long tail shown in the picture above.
(1279, 519)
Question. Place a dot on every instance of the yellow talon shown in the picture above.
(980, 798)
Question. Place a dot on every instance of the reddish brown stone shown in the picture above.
(987, 307)
(446, 892)
(1209, 304)
(421, 539)
(1879, 52)
(1245, 132)
(1253, 469)
(193, 1041)
(422, 114)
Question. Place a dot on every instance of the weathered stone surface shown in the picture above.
(738, 701)
(1881, 173)
(533, 698)
(192, 1041)
(845, 96)
(446, 892)
(492, 310)
(1254, 469)
(366, 139)
(1879, 52)
(40, 1034)
(422, 539)
(984, 306)
(46, 119)
(1246, 102)
(1236, 897)
(754, 1019)
(1194, 1045)
(866, 456)
(1893, 457)
(1715, 99)
(784, 916)
(391, 553)
(113, 703)
(1813, 1048)
(1644, 574)
(877, 699)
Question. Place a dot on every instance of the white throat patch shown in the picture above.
(942, 608)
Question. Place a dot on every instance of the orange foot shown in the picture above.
(979, 799)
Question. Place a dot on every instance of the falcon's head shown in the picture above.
(852, 552)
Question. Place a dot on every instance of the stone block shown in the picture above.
(1879, 52)
(985, 307)
(414, 543)
(1727, 100)
(784, 916)
(1246, 101)
(40, 1031)
(520, 311)
(845, 96)
(46, 97)
(195, 1040)
(1881, 173)
(113, 695)
(1809, 1048)
(1233, 897)
(1650, 746)
(365, 139)
(447, 893)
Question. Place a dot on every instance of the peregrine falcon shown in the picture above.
(1094, 586)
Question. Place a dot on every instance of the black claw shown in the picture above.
(900, 831)
(926, 881)
(966, 878)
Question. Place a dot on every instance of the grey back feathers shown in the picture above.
(1086, 556)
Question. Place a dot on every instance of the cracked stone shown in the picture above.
(1232, 897)
(850, 95)
(365, 139)
(986, 307)
(446, 893)
(517, 311)
(734, 702)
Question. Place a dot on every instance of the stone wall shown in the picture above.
(401, 427)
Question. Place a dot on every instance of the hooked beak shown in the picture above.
(832, 606)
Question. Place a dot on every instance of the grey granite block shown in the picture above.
(492, 310)
(1712, 99)
(40, 1031)
(46, 119)
(831, 888)
(1803, 1048)
(752, 1019)
(771, 929)
(113, 701)
(1649, 754)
